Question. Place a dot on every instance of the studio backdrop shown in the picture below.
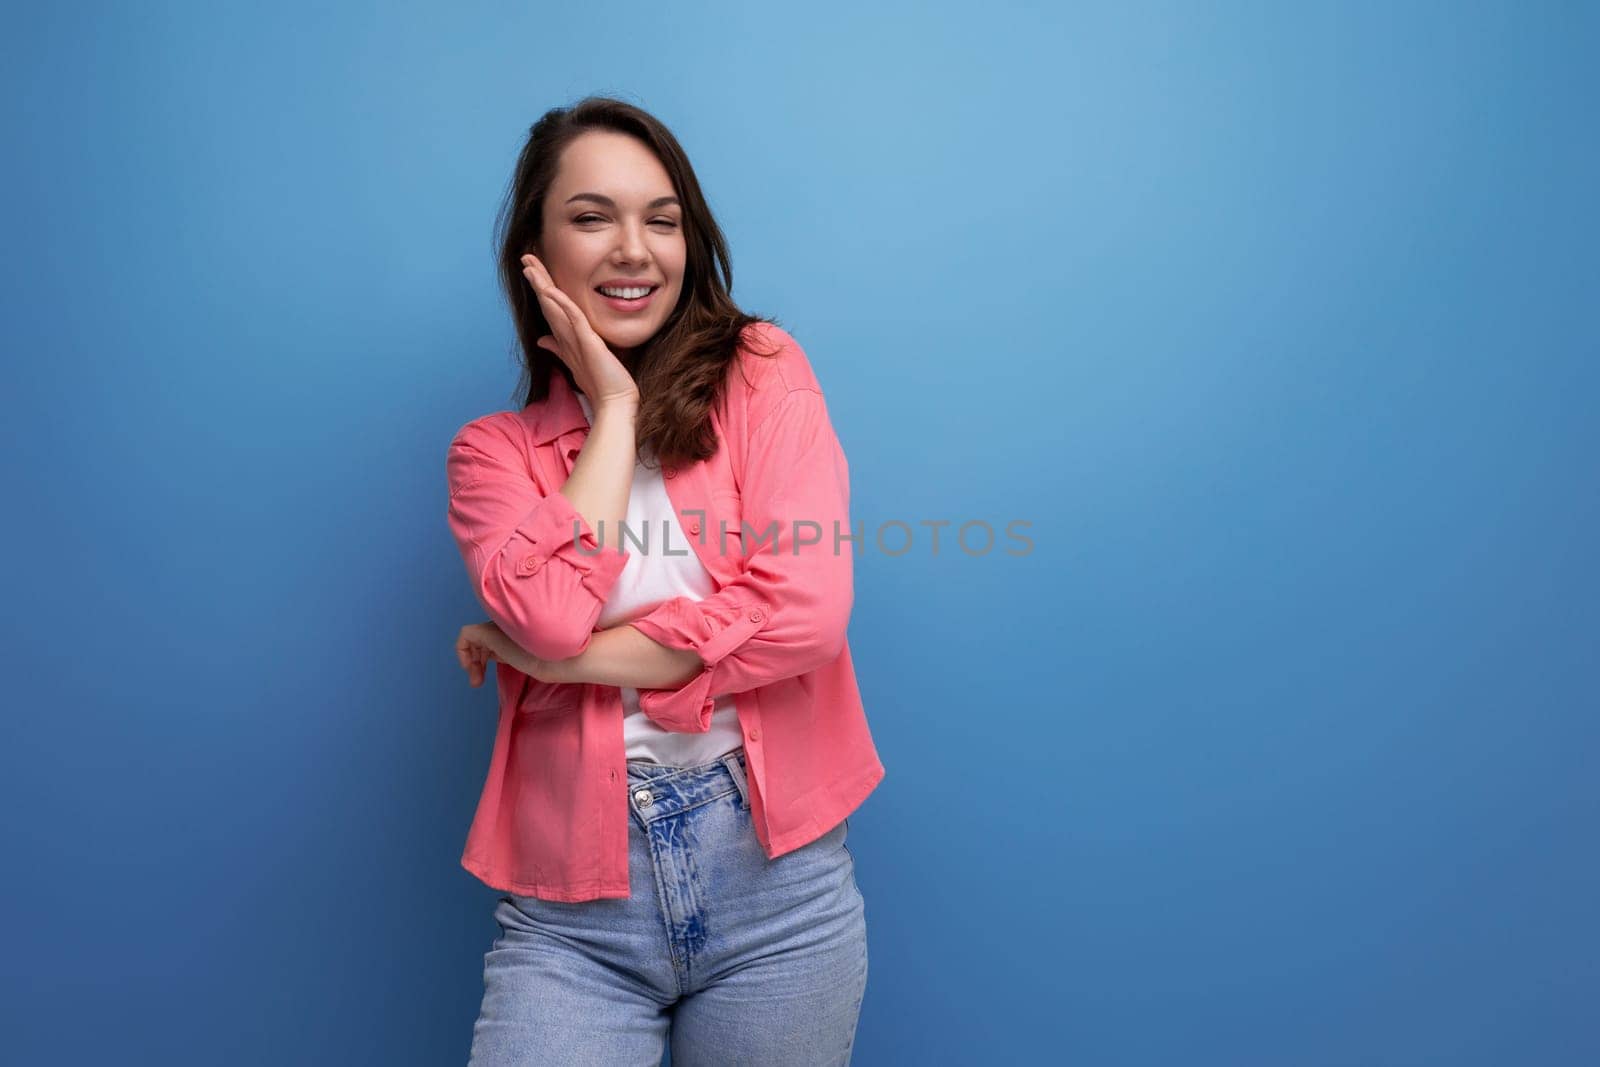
(1217, 382)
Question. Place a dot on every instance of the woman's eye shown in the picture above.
(581, 219)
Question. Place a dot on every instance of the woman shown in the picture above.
(660, 537)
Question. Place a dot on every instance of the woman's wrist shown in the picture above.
(558, 671)
(624, 656)
(617, 408)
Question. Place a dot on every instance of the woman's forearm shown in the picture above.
(602, 475)
(624, 656)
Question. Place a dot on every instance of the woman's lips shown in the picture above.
(619, 304)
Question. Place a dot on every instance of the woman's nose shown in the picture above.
(632, 243)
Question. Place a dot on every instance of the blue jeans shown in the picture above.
(733, 957)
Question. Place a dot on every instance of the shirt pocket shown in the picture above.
(542, 698)
(529, 696)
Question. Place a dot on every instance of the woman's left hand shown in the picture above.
(483, 641)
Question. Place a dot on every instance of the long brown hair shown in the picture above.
(681, 370)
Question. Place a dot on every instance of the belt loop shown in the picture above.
(731, 761)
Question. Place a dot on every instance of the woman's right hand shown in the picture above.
(481, 642)
(595, 368)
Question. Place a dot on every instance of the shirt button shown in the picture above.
(755, 616)
(529, 565)
(755, 735)
(643, 797)
(670, 472)
(694, 527)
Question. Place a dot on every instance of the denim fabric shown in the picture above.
(732, 957)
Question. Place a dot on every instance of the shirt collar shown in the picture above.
(560, 413)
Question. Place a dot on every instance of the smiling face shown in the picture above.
(612, 217)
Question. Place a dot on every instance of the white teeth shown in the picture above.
(625, 294)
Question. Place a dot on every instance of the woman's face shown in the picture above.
(633, 237)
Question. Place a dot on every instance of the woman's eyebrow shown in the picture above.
(606, 201)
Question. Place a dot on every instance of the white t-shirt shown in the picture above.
(650, 577)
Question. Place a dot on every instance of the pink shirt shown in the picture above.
(552, 821)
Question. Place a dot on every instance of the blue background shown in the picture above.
(1277, 323)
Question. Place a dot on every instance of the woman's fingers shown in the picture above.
(539, 279)
(533, 264)
(562, 339)
(543, 285)
(473, 654)
(575, 316)
(564, 318)
(551, 294)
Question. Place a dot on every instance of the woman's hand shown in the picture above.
(595, 368)
(482, 641)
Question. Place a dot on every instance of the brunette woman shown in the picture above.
(660, 537)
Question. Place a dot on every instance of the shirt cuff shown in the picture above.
(556, 529)
(714, 634)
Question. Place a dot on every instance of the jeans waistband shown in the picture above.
(656, 791)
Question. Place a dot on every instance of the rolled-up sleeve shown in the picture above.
(535, 564)
(787, 612)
